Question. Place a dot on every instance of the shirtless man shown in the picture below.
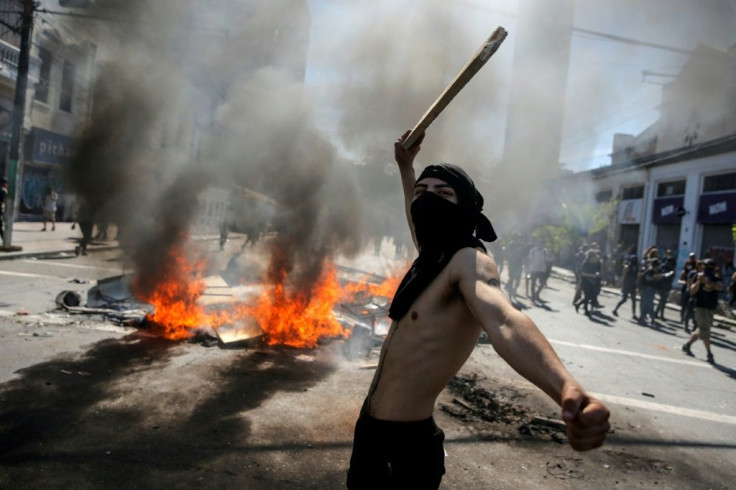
(447, 298)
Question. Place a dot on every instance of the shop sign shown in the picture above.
(667, 210)
(717, 208)
(49, 147)
(629, 211)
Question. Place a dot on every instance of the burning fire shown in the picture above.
(287, 317)
(175, 298)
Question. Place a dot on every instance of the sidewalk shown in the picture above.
(37, 243)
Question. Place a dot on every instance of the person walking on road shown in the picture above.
(451, 293)
(590, 275)
(515, 253)
(3, 198)
(647, 286)
(628, 285)
(537, 268)
(664, 286)
(687, 267)
(86, 220)
(705, 291)
(49, 208)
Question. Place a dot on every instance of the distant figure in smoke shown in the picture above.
(86, 220)
(49, 208)
(537, 268)
(225, 226)
(451, 293)
(630, 271)
(515, 253)
(3, 198)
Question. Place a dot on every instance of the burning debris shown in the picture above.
(184, 304)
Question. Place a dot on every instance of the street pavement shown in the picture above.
(86, 403)
(33, 242)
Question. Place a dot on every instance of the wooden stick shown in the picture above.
(469, 70)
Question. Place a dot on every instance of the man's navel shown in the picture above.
(414, 315)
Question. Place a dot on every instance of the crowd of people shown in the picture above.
(648, 280)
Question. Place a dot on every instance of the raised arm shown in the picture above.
(405, 160)
(519, 342)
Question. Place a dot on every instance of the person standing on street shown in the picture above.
(515, 253)
(664, 287)
(49, 208)
(687, 267)
(705, 292)
(647, 287)
(590, 274)
(630, 264)
(451, 293)
(537, 261)
(3, 198)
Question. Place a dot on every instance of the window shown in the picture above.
(10, 16)
(67, 87)
(44, 76)
(668, 189)
(604, 196)
(723, 182)
(632, 193)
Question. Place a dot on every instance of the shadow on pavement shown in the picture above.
(113, 415)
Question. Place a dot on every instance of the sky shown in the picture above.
(608, 92)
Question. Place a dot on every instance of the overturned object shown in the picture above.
(67, 299)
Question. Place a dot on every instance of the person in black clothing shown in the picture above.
(687, 267)
(665, 285)
(3, 198)
(630, 264)
(692, 276)
(651, 276)
(705, 292)
(590, 275)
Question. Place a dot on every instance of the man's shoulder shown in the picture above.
(471, 261)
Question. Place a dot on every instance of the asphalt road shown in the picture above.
(85, 403)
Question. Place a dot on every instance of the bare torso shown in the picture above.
(422, 352)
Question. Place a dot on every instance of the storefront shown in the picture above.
(48, 153)
(716, 215)
(667, 216)
(629, 219)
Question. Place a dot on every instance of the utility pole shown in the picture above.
(15, 164)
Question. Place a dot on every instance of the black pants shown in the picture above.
(396, 455)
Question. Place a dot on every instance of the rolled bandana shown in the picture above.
(469, 199)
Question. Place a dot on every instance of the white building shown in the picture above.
(675, 183)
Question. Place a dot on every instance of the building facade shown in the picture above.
(675, 183)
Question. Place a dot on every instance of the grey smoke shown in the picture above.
(379, 68)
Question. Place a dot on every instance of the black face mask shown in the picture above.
(438, 221)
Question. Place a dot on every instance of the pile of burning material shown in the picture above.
(183, 304)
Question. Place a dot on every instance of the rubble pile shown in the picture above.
(481, 403)
(473, 403)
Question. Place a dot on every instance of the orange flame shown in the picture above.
(299, 319)
(175, 298)
(293, 318)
